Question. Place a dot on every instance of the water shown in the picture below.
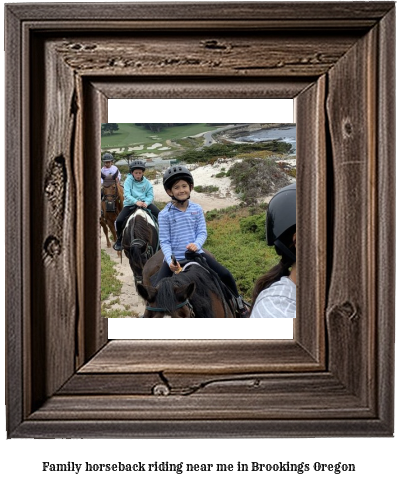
(283, 134)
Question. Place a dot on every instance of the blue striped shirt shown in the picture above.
(277, 301)
(179, 228)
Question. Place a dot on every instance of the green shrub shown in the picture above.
(256, 178)
(254, 224)
(244, 253)
(206, 189)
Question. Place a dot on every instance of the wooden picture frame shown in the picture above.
(335, 378)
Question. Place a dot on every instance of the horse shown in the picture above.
(193, 293)
(111, 205)
(140, 241)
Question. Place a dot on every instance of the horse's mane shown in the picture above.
(166, 297)
(139, 228)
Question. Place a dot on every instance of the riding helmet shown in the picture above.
(136, 165)
(281, 218)
(107, 157)
(176, 173)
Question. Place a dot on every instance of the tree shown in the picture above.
(157, 127)
(109, 128)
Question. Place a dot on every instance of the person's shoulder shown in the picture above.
(194, 206)
(287, 283)
(284, 288)
(165, 210)
(145, 182)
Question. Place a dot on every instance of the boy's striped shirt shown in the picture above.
(179, 228)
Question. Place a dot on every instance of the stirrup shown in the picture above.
(118, 245)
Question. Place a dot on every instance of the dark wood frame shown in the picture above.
(64, 379)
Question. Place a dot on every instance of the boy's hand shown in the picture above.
(175, 266)
(192, 247)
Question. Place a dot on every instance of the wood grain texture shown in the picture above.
(16, 258)
(200, 356)
(360, 13)
(351, 109)
(335, 377)
(385, 225)
(143, 87)
(191, 428)
(312, 215)
(241, 54)
(53, 208)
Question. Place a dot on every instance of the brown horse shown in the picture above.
(140, 241)
(193, 293)
(111, 205)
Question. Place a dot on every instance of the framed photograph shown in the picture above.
(221, 157)
(65, 379)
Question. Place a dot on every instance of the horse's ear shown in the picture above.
(186, 292)
(104, 176)
(148, 293)
(115, 175)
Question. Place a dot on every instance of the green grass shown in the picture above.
(117, 313)
(130, 134)
(110, 285)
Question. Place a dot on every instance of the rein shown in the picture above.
(181, 305)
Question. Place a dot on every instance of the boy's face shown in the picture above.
(107, 164)
(137, 174)
(180, 190)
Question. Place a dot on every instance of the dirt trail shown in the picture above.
(129, 299)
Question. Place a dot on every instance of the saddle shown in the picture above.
(234, 303)
(231, 300)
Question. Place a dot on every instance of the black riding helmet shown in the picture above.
(136, 165)
(174, 173)
(107, 157)
(281, 220)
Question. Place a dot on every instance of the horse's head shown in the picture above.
(139, 242)
(138, 252)
(109, 179)
(110, 187)
(167, 300)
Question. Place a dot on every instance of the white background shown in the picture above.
(375, 458)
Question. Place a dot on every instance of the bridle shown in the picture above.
(138, 242)
(181, 305)
(114, 196)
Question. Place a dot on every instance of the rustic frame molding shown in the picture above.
(64, 379)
